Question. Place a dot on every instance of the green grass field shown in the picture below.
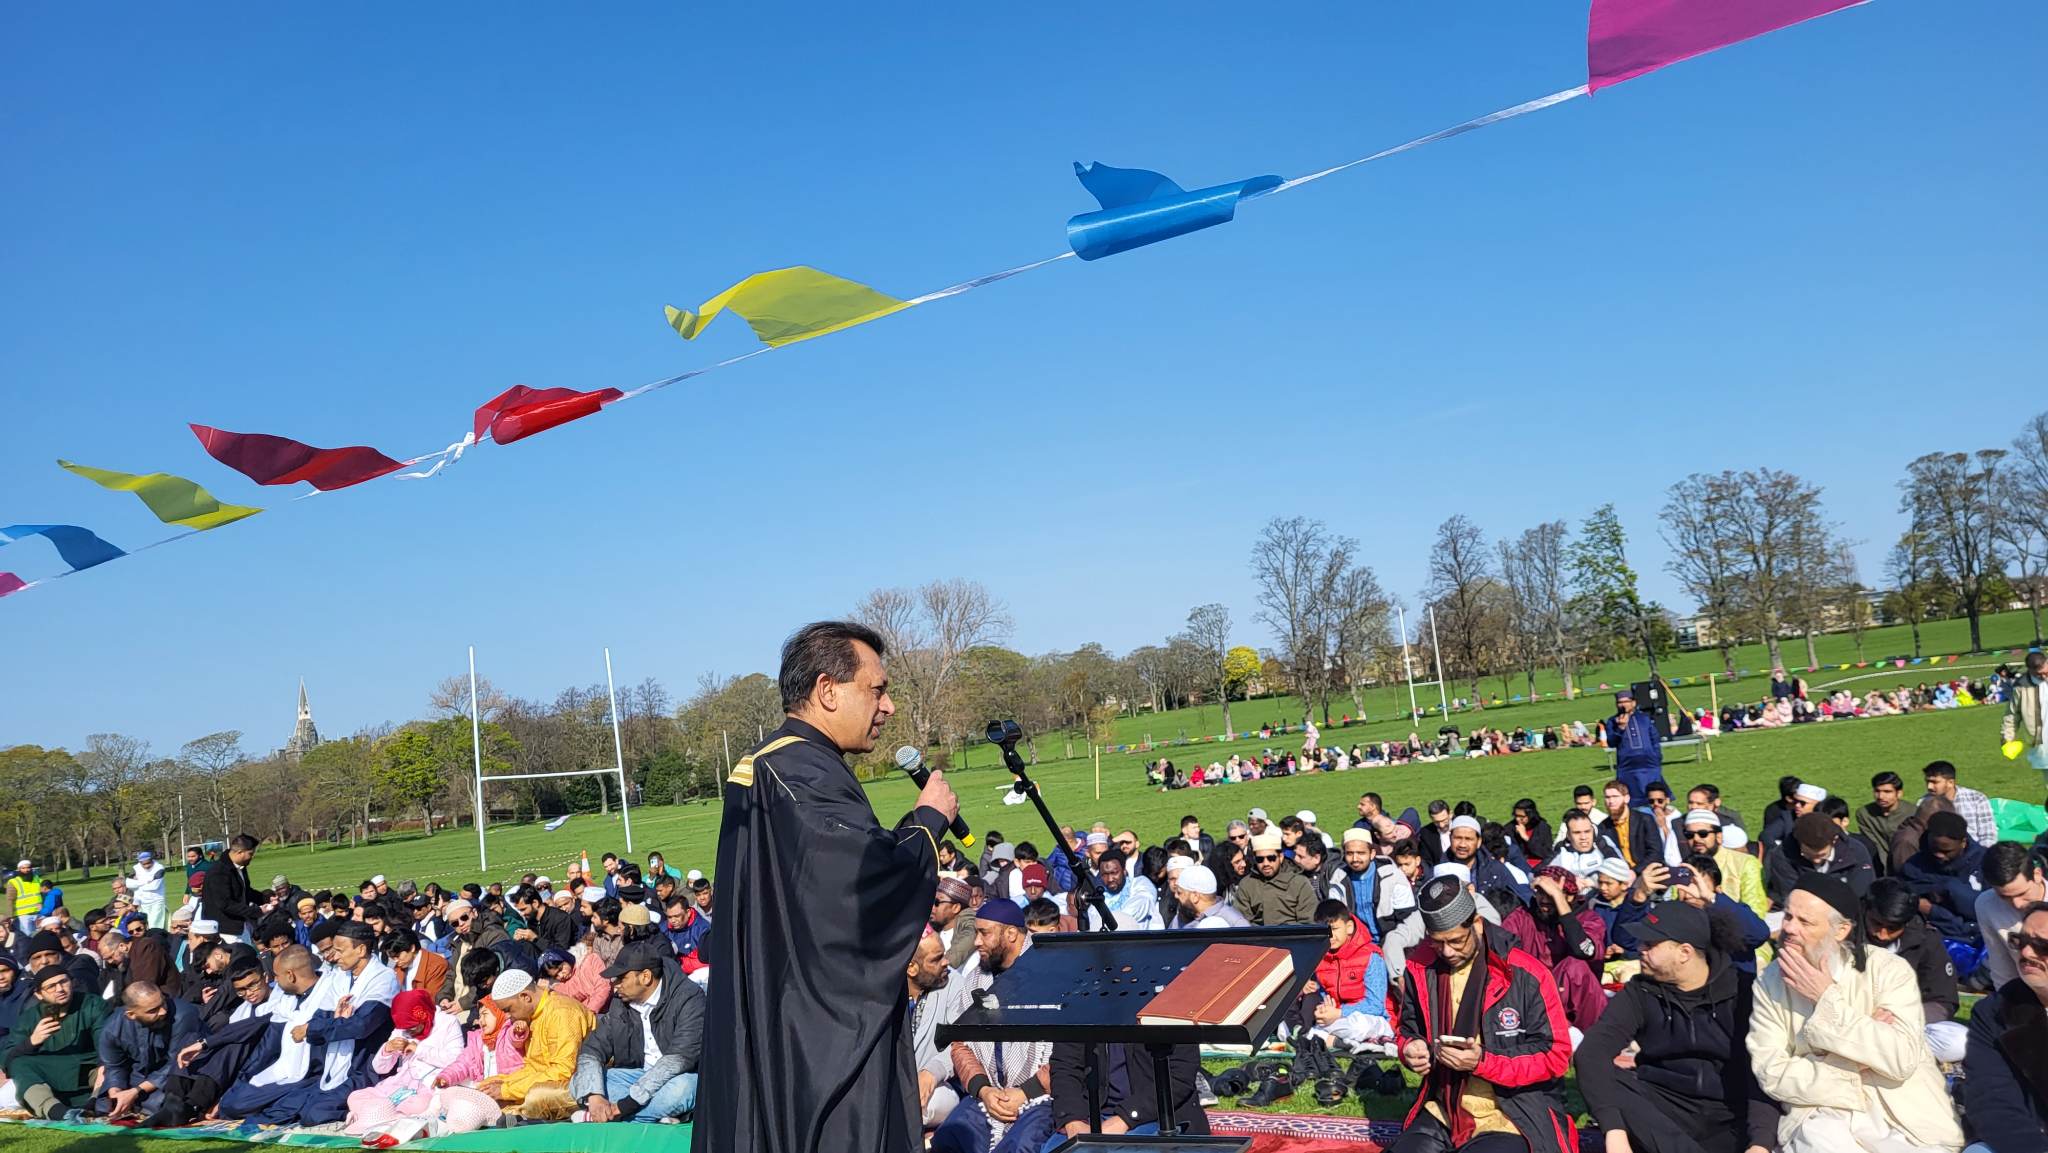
(1839, 755)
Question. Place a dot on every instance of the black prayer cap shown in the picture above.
(43, 942)
(1835, 891)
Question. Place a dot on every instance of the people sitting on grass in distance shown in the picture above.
(1946, 876)
(1481, 1022)
(1816, 846)
(1686, 1016)
(1837, 1037)
(2005, 1065)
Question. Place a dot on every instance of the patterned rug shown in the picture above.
(1305, 1133)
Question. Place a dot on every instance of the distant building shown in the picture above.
(304, 735)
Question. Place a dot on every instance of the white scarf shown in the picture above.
(244, 1010)
(376, 983)
(295, 1057)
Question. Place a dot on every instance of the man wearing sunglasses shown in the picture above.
(471, 932)
(1742, 875)
(2005, 1067)
(1274, 892)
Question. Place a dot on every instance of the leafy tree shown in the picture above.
(1240, 665)
(1605, 584)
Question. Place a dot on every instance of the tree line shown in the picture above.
(1755, 549)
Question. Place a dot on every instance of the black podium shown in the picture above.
(1092, 988)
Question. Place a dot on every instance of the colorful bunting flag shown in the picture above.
(80, 548)
(276, 460)
(786, 305)
(173, 499)
(9, 583)
(1141, 207)
(519, 411)
(1627, 38)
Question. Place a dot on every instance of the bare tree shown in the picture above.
(1289, 562)
(211, 760)
(115, 768)
(1209, 631)
(1536, 569)
(1762, 519)
(1705, 556)
(451, 697)
(1460, 586)
(1910, 566)
(1950, 497)
(2022, 520)
(929, 633)
(1360, 609)
(1853, 597)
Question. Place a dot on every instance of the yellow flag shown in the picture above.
(790, 304)
(173, 499)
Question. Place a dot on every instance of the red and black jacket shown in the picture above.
(1521, 1027)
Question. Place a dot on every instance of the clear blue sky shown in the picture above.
(1820, 251)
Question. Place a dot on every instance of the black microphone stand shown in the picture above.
(1005, 735)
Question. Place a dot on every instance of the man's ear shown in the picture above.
(827, 695)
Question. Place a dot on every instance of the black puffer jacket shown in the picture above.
(1692, 1044)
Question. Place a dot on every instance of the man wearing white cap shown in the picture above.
(1274, 893)
(556, 1027)
(1742, 876)
(1372, 887)
(1487, 874)
(1198, 885)
(147, 885)
(24, 897)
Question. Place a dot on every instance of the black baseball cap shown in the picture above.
(1673, 921)
(634, 957)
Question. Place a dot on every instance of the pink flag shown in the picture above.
(1626, 38)
(9, 583)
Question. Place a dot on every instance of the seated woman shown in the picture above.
(424, 1041)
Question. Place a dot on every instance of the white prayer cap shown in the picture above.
(458, 905)
(206, 927)
(1452, 869)
(23, 864)
(1471, 823)
(1176, 863)
(1308, 816)
(1257, 815)
(1732, 837)
(510, 983)
(694, 875)
(539, 881)
(1811, 792)
(1357, 835)
(1267, 842)
(563, 897)
(1616, 868)
(1197, 879)
(1707, 817)
(377, 880)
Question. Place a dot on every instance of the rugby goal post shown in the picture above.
(480, 815)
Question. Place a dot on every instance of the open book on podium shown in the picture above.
(1156, 989)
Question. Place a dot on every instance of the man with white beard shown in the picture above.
(1837, 1036)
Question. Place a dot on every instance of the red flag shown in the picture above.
(519, 411)
(9, 583)
(276, 460)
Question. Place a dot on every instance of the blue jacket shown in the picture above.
(133, 1053)
(1619, 917)
(2005, 1071)
(1951, 887)
(1754, 931)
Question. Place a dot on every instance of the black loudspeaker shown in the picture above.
(1651, 698)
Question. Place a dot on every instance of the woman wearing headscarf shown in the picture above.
(424, 1041)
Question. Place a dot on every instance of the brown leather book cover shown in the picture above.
(1223, 986)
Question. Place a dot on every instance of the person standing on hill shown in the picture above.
(804, 1032)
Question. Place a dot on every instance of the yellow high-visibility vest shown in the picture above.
(28, 895)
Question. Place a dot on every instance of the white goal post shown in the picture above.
(480, 815)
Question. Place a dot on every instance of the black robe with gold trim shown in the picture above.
(819, 909)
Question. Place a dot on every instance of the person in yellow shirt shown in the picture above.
(1742, 876)
(539, 1089)
(24, 898)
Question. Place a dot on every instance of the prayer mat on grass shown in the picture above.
(558, 1137)
(1305, 1132)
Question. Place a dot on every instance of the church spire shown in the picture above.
(304, 735)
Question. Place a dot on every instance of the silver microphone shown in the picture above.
(912, 762)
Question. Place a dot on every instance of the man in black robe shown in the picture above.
(821, 907)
